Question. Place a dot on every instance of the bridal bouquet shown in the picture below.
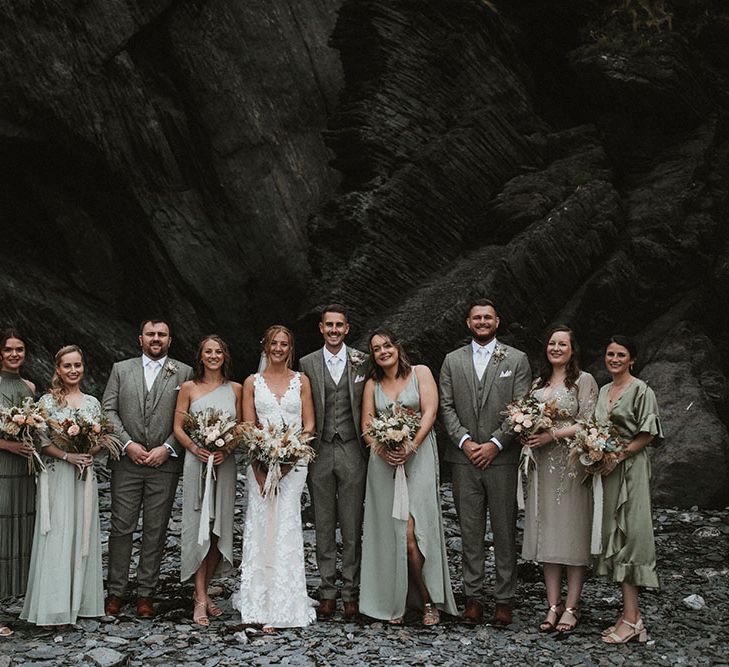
(595, 442)
(393, 429)
(80, 433)
(21, 423)
(212, 429)
(275, 445)
(529, 415)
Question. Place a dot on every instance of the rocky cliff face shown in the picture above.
(234, 164)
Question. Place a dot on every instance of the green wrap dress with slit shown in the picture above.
(384, 589)
(628, 546)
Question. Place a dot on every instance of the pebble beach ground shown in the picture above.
(693, 560)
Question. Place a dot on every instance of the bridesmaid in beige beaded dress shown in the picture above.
(17, 490)
(210, 387)
(558, 511)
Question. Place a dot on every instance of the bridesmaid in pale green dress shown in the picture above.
(395, 552)
(65, 568)
(17, 487)
(628, 547)
(210, 387)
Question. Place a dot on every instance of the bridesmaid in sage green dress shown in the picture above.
(210, 387)
(65, 579)
(17, 487)
(628, 547)
(395, 551)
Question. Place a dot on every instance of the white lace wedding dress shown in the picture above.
(272, 578)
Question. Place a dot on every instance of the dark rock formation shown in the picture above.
(233, 164)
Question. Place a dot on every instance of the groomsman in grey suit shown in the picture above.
(139, 400)
(338, 474)
(477, 382)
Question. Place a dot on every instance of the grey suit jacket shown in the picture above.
(314, 366)
(123, 404)
(508, 378)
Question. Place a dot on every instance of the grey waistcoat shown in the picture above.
(337, 409)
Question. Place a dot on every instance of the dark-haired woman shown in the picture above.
(558, 510)
(628, 547)
(396, 552)
(17, 490)
(210, 387)
(65, 568)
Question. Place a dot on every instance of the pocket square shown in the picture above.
(359, 378)
(505, 374)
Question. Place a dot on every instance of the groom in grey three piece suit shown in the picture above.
(476, 383)
(338, 475)
(139, 400)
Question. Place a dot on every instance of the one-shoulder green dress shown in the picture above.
(384, 589)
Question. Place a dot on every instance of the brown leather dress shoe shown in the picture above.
(145, 608)
(325, 609)
(502, 615)
(351, 611)
(474, 613)
(112, 605)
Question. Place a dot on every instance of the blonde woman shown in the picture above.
(65, 569)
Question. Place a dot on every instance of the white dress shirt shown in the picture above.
(336, 363)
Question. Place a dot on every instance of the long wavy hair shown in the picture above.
(268, 337)
(403, 362)
(58, 389)
(198, 367)
(573, 365)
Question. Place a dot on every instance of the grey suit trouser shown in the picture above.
(475, 491)
(131, 488)
(338, 478)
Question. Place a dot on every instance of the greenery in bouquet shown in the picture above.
(595, 441)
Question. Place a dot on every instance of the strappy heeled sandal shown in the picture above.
(557, 610)
(637, 629)
(609, 630)
(5, 631)
(570, 624)
(213, 609)
(431, 615)
(199, 613)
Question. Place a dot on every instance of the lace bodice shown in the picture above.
(270, 410)
(90, 408)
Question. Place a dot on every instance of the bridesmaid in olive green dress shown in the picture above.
(628, 547)
(17, 487)
(395, 552)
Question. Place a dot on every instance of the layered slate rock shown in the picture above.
(234, 164)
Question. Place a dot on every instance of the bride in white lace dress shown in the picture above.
(272, 579)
